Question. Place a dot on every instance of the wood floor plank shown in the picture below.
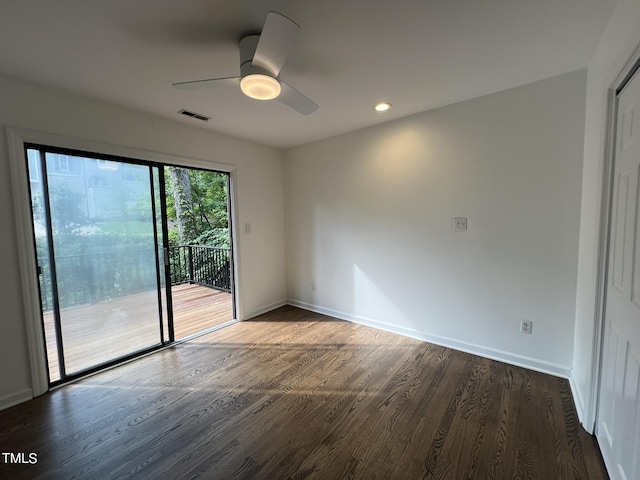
(294, 394)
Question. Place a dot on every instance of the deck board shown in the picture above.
(130, 323)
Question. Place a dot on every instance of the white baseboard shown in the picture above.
(15, 398)
(264, 309)
(578, 401)
(557, 370)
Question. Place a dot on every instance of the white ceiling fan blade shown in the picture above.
(278, 37)
(294, 99)
(212, 82)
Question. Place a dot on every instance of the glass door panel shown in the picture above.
(101, 242)
(199, 251)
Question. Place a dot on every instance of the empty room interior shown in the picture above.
(414, 248)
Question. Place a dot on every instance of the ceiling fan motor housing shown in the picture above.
(256, 82)
(248, 47)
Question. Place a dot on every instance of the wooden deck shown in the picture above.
(98, 333)
(197, 308)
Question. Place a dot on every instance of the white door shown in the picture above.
(618, 426)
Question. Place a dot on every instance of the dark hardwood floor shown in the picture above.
(293, 394)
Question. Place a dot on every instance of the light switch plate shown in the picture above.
(459, 224)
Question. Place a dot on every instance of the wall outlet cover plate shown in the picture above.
(459, 224)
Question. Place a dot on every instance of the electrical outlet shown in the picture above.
(313, 286)
(526, 326)
(459, 224)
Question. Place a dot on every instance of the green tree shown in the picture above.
(197, 207)
(67, 207)
(184, 214)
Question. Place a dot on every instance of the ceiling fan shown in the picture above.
(261, 59)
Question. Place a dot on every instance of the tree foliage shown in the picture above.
(66, 207)
(197, 207)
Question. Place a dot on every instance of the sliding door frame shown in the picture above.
(161, 267)
(17, 140)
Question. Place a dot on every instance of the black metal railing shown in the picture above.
(87, 278)
(208, 266)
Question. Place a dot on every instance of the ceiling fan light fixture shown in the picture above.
(260, 87)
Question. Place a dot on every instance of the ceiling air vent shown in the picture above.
(194, 115)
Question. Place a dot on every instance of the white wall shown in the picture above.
(259, 195)
(619, 41)
(369, 214)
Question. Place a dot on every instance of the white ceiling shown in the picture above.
(416, 54)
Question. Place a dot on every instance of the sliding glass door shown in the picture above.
(101, 267)
(131, 256)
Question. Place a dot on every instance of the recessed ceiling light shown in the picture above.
(382, 106)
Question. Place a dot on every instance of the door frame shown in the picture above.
(17, 138)
(604, 234)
